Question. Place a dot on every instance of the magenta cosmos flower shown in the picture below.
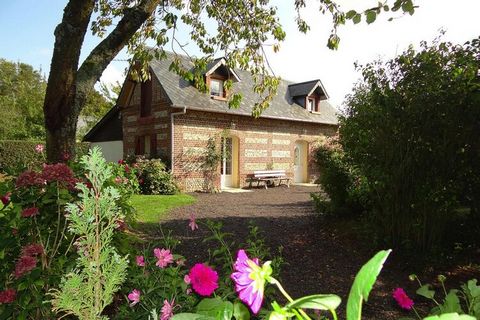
(249, 278)
(134, 297)
(402, 299)
(204, 280)
(29, 212)
(164, 257)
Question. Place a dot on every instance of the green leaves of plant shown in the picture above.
(426, 292)
(451, 316)
(363, 284)
(316, 301)
(240, 312)
(216, 308)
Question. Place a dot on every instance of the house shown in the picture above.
(168, 117)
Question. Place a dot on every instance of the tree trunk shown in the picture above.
(67, 84)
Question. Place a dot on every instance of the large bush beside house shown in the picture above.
(346, 191)
(154, 178)
(411, 127)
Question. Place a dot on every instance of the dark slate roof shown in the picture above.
(109, 128)
(305, 88)
(183, 94)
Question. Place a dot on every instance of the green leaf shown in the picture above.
(357, 18)
(363, 283)
(240, 312)
(473, 288)
(216, 308)
(190, 316)
(425, 291)
(316, 301)
(371, 16)
(450, 316)
(350, 14)
(452, 303)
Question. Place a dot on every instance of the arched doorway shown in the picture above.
(300, 167)
(229, 175)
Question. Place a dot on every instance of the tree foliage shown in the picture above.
(411, 127)
(146, 27)
(22, 92)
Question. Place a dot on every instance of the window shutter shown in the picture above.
(137, 145)
(140, 145)
(146, 98)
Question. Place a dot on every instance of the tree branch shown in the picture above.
(97, 61)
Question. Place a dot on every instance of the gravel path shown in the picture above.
(321, 256)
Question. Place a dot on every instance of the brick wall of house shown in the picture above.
(157, 124)
(263, 144)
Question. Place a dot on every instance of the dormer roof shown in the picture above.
(219, 66)
(307, 88)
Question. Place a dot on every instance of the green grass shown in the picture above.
(152, 208)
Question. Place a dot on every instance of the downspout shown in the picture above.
(172, 132)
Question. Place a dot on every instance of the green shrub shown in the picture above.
(346, 192)
(18, 155)
(411, 128)
(154, 179)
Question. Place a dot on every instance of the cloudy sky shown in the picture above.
(26, 33)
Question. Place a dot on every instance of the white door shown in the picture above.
(299, 163)
(226, 178)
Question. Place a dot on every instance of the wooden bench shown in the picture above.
(268, 177)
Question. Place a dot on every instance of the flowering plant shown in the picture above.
(34, 246)
(456, 304)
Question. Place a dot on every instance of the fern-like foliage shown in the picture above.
(100, 271)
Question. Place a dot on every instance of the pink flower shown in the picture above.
(204, 279)
(140, 261)
(134, 297)
(164, 257)
(6, 198)
(66, 156)
(249, 278)
(189, 291)
(186, 279)
(29, 212)
(24, 265)
(39, 148)
(118, 180)
(192, 224)
(8, 296)
(127, 168)
(32, 250)
(167, 310)
(121, 161)
(402, 299)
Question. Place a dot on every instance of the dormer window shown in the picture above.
(311, 104)
(216, 88)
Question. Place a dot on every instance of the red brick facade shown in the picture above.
(262, 143)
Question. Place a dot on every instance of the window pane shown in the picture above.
(216, 87)
(310, 105)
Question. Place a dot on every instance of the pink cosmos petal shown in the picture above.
(167, 310)
(134, 297)
(140, 260)
(186, 279)
(192, 224)
(164, 257)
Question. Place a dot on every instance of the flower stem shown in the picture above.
(416, 313)
(286, 295)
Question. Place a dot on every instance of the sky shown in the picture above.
(26, 33)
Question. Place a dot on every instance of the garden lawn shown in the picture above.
(152, 208)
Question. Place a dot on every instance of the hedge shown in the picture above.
(20, 154)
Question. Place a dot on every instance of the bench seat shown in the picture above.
(268, 177)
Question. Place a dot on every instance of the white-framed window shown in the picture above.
(311, 104)
(216, 87)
